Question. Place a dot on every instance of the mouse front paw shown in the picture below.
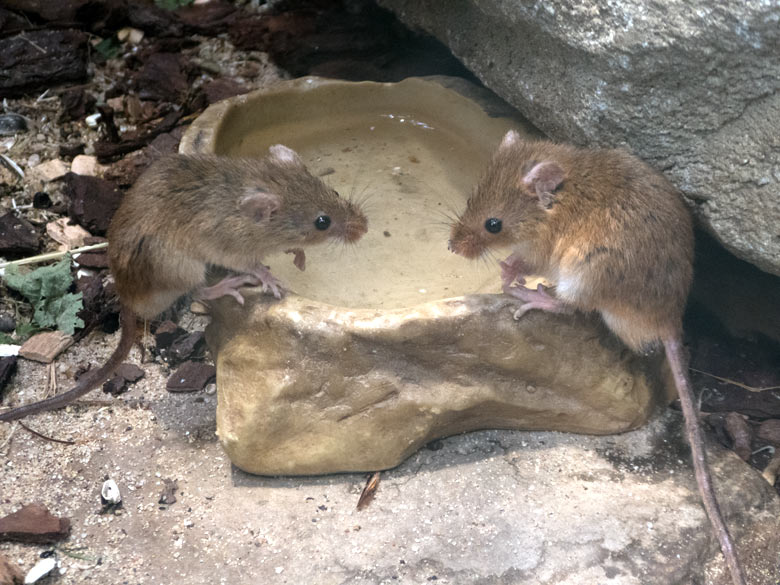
(228, 286)
(268, 281)
(512, 270)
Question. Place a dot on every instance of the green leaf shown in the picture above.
(109, 47)
(24, 331)
(46, 289)
(66, 308)
(43, 282)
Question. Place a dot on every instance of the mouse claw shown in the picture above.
(535, 299)
(228, 286)
(268, 281)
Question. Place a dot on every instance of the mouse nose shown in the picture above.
(355, 229)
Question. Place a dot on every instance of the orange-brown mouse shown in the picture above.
(187, 213)
(614, 236)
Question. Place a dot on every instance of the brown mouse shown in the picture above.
(614, 236)
(187, 213)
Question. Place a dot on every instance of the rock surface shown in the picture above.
(287, 406)
(689, 87)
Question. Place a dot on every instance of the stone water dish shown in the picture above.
(382, 347)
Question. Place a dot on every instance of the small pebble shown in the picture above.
(7, 323)
(11, 124)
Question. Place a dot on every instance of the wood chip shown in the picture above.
(48, 171)
(46, 346)
(34, 523)
(86, 165)
(69, 235)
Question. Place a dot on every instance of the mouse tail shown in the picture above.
(89, 380)
(677, 361)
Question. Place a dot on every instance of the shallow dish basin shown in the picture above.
(389, 344)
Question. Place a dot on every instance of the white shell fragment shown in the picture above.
(7, 350)
(41, 569)
(110, 492)
(92, 120)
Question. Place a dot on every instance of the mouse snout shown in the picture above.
(465, 243)
(355, 228)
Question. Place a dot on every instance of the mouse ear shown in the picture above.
(281, 154)
(510, 138)
(543, 179)
(259, 205)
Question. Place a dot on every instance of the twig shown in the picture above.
(8, 438)
(37, 46)
(734, 382)
(11, 166)
(53, 255)
(37, 434)
(51, 383)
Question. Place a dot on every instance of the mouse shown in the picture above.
(614, 237)
(189, 213)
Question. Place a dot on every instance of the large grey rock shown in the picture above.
(691, 87)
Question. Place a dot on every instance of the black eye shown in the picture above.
(322, 222)
(493, 225)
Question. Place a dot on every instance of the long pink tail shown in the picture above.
(701, 470)
(90, 380)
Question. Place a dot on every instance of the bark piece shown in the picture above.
(124, 375)
(220, 89)
(76, 104)
(163, 78)
(7, 369)
(191, 377)
(34, 523)
(17, 236)
(93, 201)
(35, 60)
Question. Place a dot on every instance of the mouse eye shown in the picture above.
(322, 222)
(493, 225)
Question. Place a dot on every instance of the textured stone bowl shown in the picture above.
(382, 348)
